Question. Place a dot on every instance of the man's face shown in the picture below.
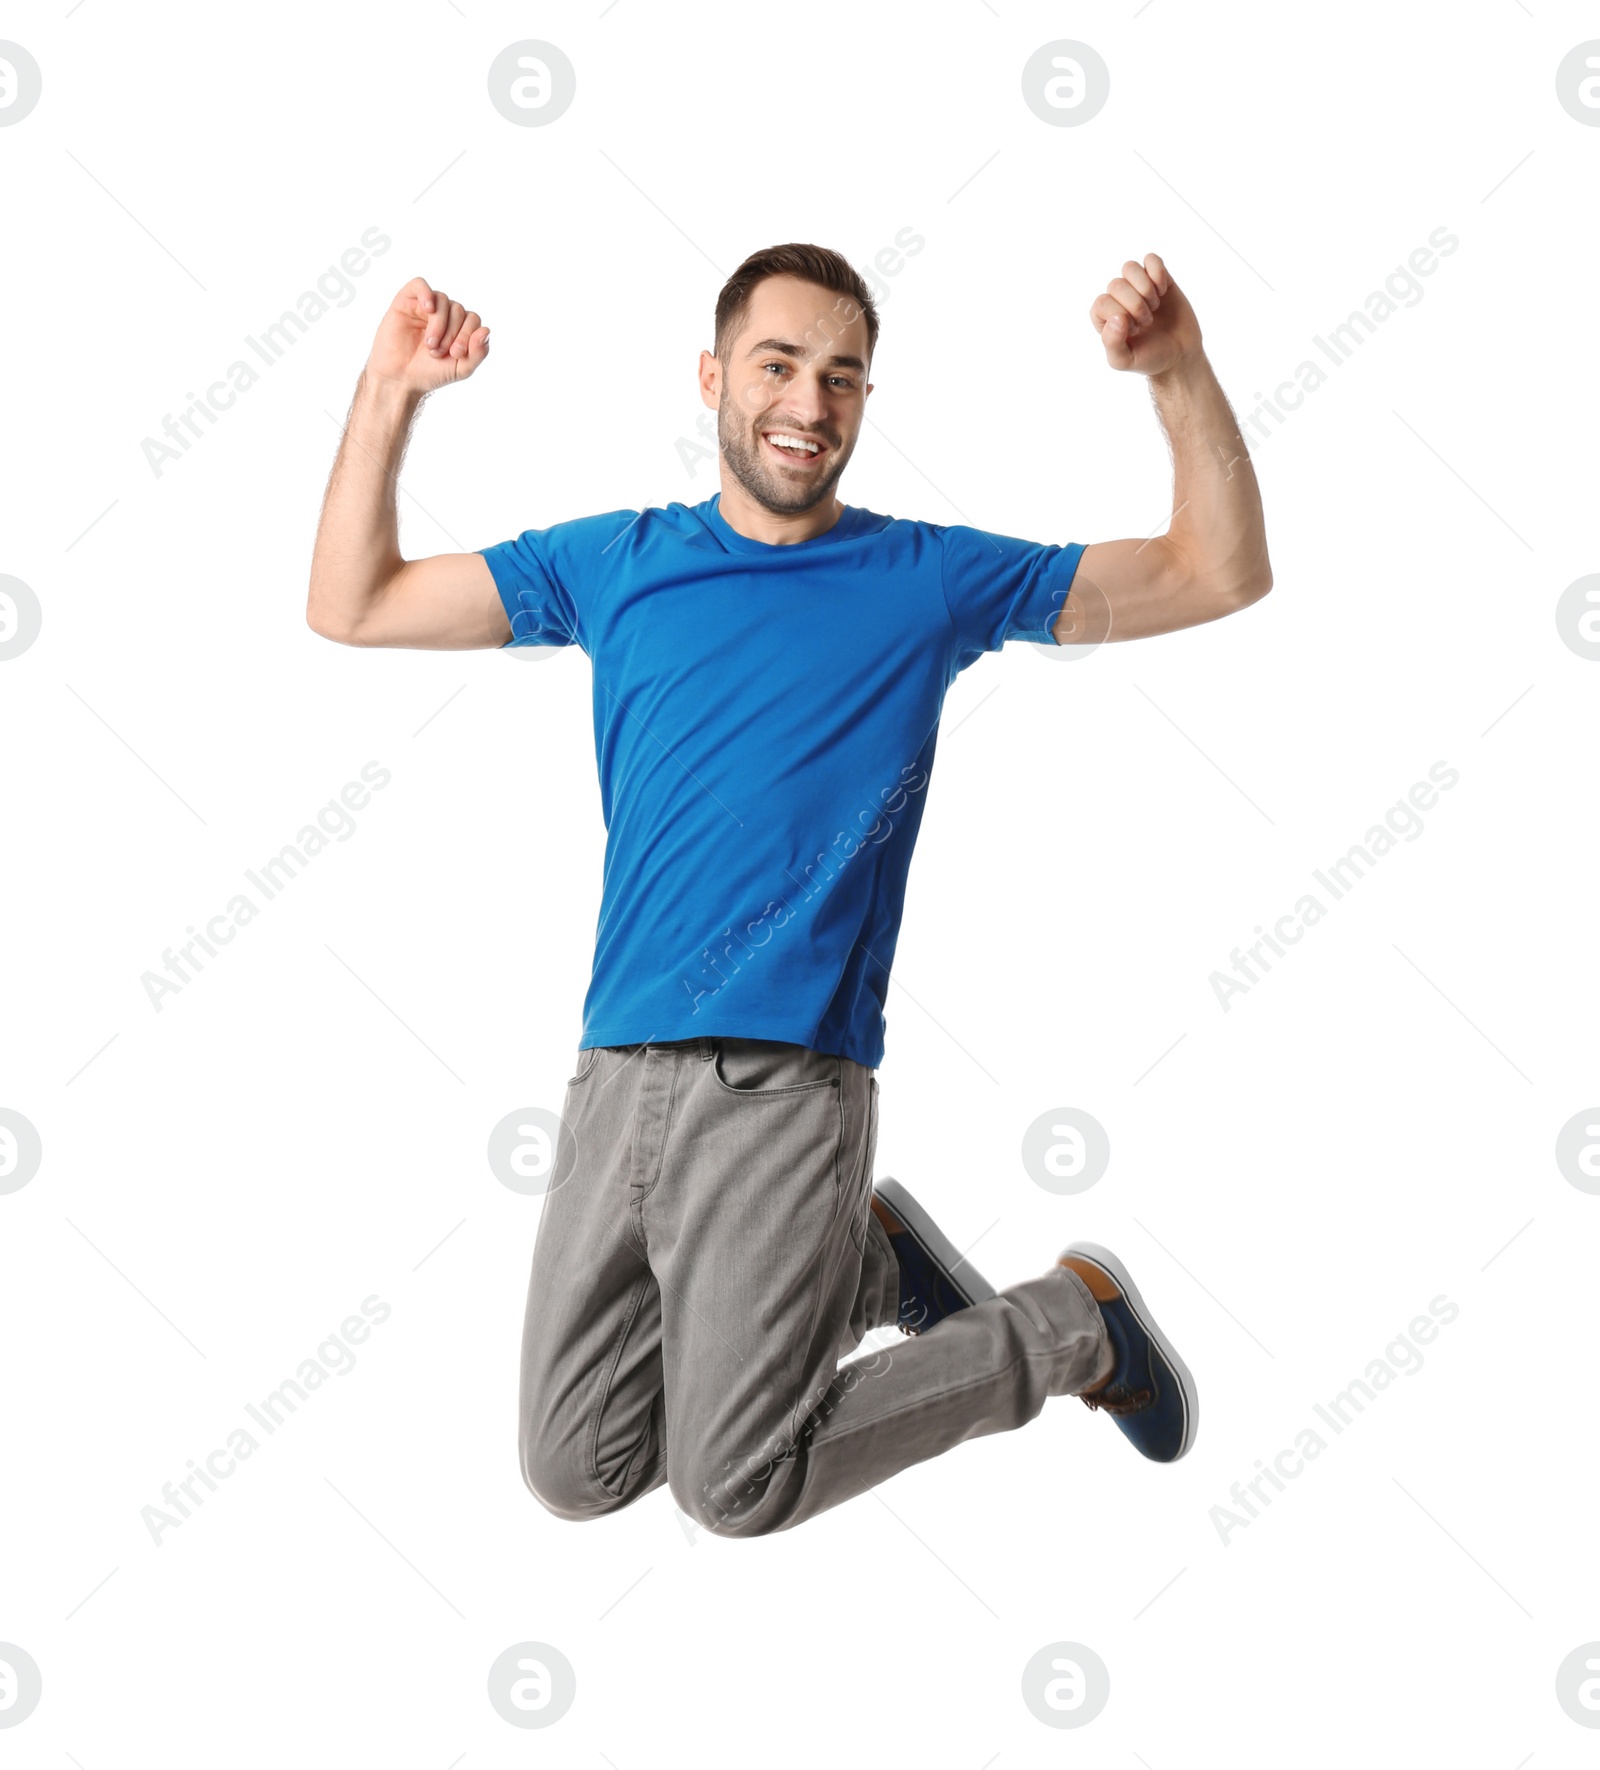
(797, 369)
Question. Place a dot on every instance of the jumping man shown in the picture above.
(769, 668)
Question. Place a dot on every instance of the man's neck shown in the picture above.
(755, 522)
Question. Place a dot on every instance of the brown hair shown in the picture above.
(812, 264)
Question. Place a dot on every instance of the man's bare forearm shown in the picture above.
(1217, 525)
(357, 549)
(363, 592)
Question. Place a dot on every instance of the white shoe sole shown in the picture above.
(963, 1274)
(1124, 1281)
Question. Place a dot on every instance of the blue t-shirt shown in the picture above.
(765, 718)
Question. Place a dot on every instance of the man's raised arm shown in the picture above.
(1212, 560)
(362, 592)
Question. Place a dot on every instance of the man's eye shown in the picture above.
(839, 380)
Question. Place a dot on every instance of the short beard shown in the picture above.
(741, 449)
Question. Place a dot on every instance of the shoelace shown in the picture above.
(1118, 1398)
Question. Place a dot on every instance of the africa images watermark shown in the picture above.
(1337, 880)
(721, 1501)
(335, 1357)
(333, 288)
(273, 876)
(779, 912)
(1400, 289)
(1401, 1358)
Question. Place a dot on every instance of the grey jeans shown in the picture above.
(705, 1258)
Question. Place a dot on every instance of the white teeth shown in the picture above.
(782, 439)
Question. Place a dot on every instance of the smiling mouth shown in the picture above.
(789, 446)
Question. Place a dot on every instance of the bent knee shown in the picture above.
(554, 1474)
(730, 1496)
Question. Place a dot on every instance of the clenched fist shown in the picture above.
(427, 340)
(1144, 320)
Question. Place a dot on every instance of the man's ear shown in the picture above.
(710, 379)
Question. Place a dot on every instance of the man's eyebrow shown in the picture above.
(785, 348)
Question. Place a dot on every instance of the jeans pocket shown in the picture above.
(767, 1069)
(586, 1062)
(785, 1105)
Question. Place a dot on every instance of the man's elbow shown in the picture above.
(1207, 589)
(1239, 589)
(1253, 588)
(329, 616)
(328, 626)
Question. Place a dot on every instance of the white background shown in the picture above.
(303, 1126)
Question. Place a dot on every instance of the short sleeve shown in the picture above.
(548, 578)
(997, 587)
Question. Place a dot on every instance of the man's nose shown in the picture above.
(806, 398)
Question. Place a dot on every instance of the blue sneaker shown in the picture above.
(935, 1281)
(1150, 1392)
